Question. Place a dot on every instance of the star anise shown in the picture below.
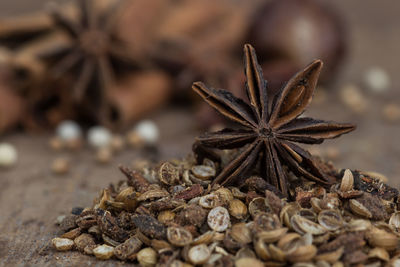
(270, 127)
(93, 53)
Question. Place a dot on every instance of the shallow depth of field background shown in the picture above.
(31, 196)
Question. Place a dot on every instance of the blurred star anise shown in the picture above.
(270, 127)
(93, 53)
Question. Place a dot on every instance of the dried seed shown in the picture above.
(246, 262)
(60, 166)
(273, 235)
(74, 233)
(237, 209)
(128, 196)
(210, 201)
(147, 257)
(160, 245)
(62, 244)
(128, 248)
(330, 257)
(150, 226)
(109, 241)
(394, 221)
(153, 194)
(358, 225)
(83, 241)
(103, 252)
(290, 241)
(190, 193)
(203, 172)
(166, 216)
(347, 181)
(276, 253)
(192, 215)
(262, 250)
(266, 222)
(359, 209)
(303, 225)
(258, 205)
(330, 219)
(199, 254)
(241, 233)
(218, 219)
(178, 236)
(168, 174)
(302, 254)
(379, 253)
(225, 195)
(381, 238)
(205, 238)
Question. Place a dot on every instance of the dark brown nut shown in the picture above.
(150, 226)
(178, 236)
(189, 193)
(128, 248)
(109, 226)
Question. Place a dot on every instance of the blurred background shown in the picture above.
(87, 85)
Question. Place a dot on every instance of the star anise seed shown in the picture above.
(270, 127)
(92, 53)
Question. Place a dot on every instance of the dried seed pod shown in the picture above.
(302, 254)
(128, 196)
(225, 195)
(168, 174)
(276, 253)
(258, 205)
(347, 181)
(245, 252)
(237, 193)
(290, 241)
(190, 193)
(103, 252)
(160, 245)
(179, 236)
(330, 219)
(237, 209)
(359, 209)
(128, 248)
(241, 233)
(358, 225)
(316, 204)
(330, 257)
(246, 262)
(261, 249)
(83, 241)
(218, 219)
(166, 216)
(287, 212)
(308, 214)
(303, 225)
(210, 201)
(379, 253)
(394, 221)
(330, 201)
(109, 241)
(74, 233)
(380, 238)
(199, 254)
(153, 194)
(147, 257)
(273, 235)
(203, 172)
(205, 238)
(62, 244)
(266, 222)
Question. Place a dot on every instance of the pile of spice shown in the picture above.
(267, 201)
(170, 215)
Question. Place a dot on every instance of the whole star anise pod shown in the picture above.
(270, 127)
(92, 54)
